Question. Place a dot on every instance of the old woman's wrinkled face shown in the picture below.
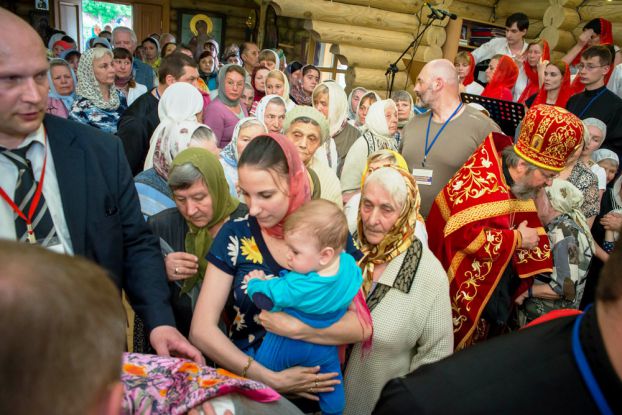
(379, 212)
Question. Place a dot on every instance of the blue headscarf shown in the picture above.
(67, 100)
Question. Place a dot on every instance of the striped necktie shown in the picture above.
(25, 189)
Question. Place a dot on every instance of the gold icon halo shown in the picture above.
(200, 17)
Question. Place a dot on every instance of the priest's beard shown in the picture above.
(523, 191)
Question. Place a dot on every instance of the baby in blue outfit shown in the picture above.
(321, 285)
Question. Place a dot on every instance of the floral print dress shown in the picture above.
(86, 112)
(238, 249)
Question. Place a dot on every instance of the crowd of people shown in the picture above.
(294, 239)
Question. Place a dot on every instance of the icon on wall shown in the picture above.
(42, 5)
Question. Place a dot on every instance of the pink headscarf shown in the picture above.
(299, 186)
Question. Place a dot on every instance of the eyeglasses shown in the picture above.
(589, 66)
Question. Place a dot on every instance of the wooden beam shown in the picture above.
(559, 40)
(373, 78)
(533, 8)
(594, 9)
(400, 6)
(471, 11)
(355, 56)
(371, 38)
(330, 11)
(216, 8)
(561, 17)
(573, 4)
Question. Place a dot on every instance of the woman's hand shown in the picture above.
(585, 37)
(282, 324)
(612, 221)
(304, 381)
(180, 265)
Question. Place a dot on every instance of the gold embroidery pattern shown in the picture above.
(467, 291)
(441, 202)
(474, 179)
(537, 254)
(487, 210)
(474, 246)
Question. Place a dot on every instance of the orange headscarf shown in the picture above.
(299, 187)
(533, 82)
(503, 80)
(564, 91)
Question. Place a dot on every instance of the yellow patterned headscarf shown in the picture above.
(398, 239)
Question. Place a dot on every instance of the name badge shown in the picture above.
(423, 176)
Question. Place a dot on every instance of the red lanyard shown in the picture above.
(35, 199)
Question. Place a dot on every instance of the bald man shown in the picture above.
(436, 144)
(88, 204)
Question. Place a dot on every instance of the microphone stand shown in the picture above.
(392, 69)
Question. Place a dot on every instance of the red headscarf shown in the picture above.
(533, 83)
(503, 80)
(258, 94)
(564, 91)
(606, 38)
(299, 188)
(470, 76)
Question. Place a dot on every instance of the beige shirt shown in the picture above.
(330, 188)
(454, 146)
(411, 329)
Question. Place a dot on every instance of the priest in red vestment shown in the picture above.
(484, 227)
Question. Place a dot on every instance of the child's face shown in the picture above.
(303, 253)
(610, 167)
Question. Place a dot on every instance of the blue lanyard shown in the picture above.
(589, 104)
(427, 148)
(586, 372)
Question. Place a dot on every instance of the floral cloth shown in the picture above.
(238, 249)
(584, 180)
(169, 385)
(86, 112)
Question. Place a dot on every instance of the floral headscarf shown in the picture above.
(88, 86)
(503, 79)
(398, 239)
(177, 110)
(67, 100)
(566, 198)
(199, 240)
(299, 188)
(230, 153)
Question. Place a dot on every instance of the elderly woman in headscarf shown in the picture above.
(98, 103)
(271, 111)
(406, 287)
(307, 128)
(224, 112)
(354, 97)
(382, 158)
(572, 245)
(597, 131)
(381, 126)
(202, 204)
(330, 99)
(179, 109)
(277, 84)
(245, 131)
(62, 93)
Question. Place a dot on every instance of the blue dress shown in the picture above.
(84, 111)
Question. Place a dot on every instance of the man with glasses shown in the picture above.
(483, 225)
(596, 101)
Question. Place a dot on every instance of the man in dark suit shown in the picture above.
(87, 204)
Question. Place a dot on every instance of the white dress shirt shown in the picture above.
(51, 191)
(495, 46)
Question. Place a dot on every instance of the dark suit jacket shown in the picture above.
(103, 215)
(143, 73)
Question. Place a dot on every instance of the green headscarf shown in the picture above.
(199, 240)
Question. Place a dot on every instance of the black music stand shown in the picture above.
(506, 114)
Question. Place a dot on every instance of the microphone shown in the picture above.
(440, 13)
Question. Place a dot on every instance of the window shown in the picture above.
(326, 62)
